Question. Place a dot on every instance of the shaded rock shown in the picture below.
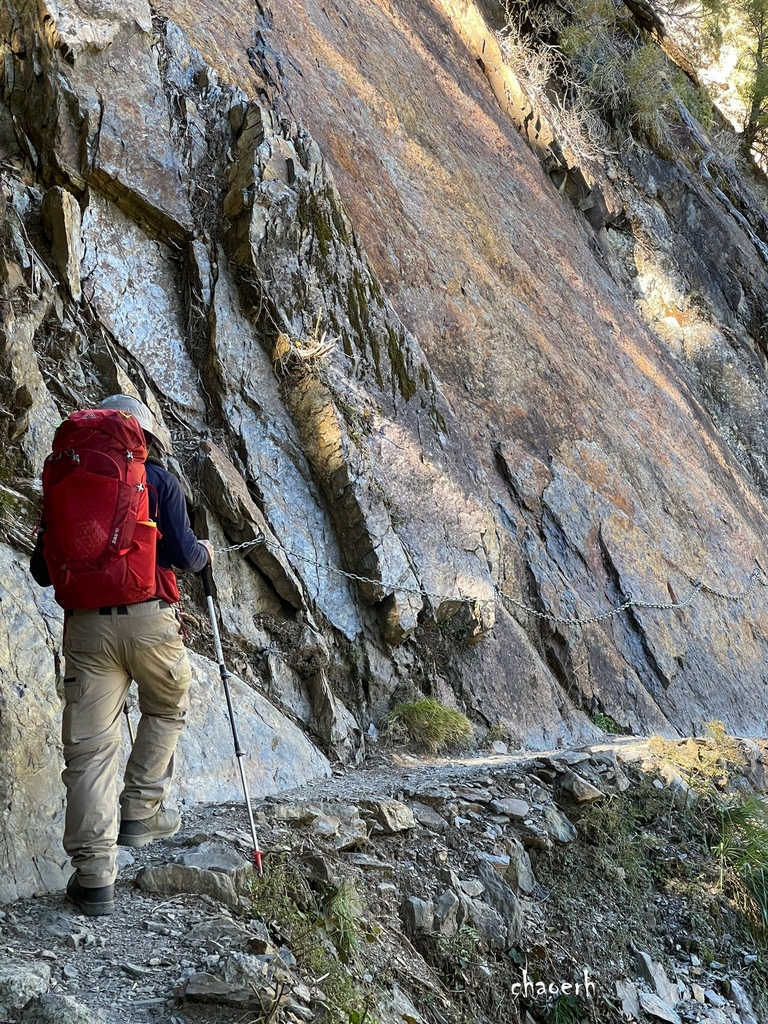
(489, 924)
(558, 826)
(332, 721)
(418, 915)
(519, 872)
(447, 907)
(61, 1009)
(21, 983)
(502, 898)
(429, 818)
(62, 220)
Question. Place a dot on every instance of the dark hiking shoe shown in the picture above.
(92, 902)
(162, 825)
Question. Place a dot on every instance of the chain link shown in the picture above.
(698, 587)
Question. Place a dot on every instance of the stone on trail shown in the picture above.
(173, 879)
(578, 789)
(19, 984)
(656, 1007)
(512, 806)
(392, 815)
(60, 1009)
(212, 857)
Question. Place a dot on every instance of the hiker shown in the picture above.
(120, 624)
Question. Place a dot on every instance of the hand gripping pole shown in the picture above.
(207, 577)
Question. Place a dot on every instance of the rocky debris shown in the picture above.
(61, 1009)
(391, 816)
(197, 936)
(19, 984)
(210, 868)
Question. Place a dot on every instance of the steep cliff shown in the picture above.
(462, 390)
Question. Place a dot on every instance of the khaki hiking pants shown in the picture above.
(104, 652)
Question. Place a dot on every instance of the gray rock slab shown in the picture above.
(557, 826)
(57, 1008)
(392, 815)
(179, 878)
(31, 857)
(278, 756)
(212, 857)
(428, 817)
(519, 872)
(129, 280)
(447, 913)
(489, 924)
(512, 806)
(417, 915)
(579, 789)
(653, 972)
(20, 983)
(655, 1007)
(743, 1003)
(628, 995)
(61, 217)
(502, 898)
(204, 987)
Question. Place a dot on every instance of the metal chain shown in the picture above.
(631, 602)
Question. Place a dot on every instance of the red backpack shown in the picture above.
(99, 541)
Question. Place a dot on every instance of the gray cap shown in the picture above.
(125, 403)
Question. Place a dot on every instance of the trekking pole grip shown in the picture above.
(206, 575)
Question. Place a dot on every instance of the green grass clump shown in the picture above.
(743, 853)
(606, 723)
(430, 724)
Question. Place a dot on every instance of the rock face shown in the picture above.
(386, 350)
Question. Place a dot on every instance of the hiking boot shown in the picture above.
(92, 902)
(162, 825)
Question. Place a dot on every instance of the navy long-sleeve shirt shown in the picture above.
(178, 547)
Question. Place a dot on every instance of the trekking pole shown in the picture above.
(129, 723)
(207, 577)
